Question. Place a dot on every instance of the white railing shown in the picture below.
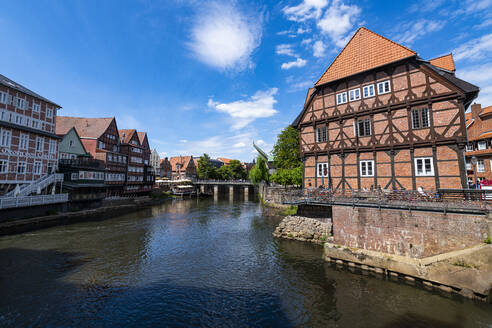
(27, 201)
(41, 183)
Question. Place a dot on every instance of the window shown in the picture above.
(367, 168)
(18, 119)
(480, 166)
(4, 166)
(39, 143)
(6, 136)
(424, 166)
(35, 124)
(354, 94)
(3, 97)
(482, 145)
(36, 107)
(341, 98)
(21, 167)
(24, 141)
(322, 170)
(37, 169)
(20, 103)
(363, 127)
(420, 118)
(52, 148)
(321, 134)
(100, 144)
(468, 165)
(384, 87)
(49, 112)
(70, 143)
(368, 91)
(469, 147)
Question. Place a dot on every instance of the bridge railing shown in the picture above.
(442, 199)
(212, 181)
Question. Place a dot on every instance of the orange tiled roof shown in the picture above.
(224, 160)
(446, 62)
(183, 160)
(486, 110)
(141, 136)
(309, 93)
(127, 134)
(366, 50)
(86, 127)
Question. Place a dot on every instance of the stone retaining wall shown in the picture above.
(304, 229)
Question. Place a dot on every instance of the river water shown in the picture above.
(201, 263)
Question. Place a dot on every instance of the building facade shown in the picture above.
(382, 117)
(183, 167)
(149, 174)
(101, 139)
(28, 144)
(166, 168)
(155, 162)
(479, 127)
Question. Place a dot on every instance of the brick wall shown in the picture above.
(414, 234)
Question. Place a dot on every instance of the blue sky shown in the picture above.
(214, 76)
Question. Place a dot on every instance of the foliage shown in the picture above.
(291, 210)
(205, 168)
(224, 173)
(259, 172)
(286, 153)
(487, 241)
(288, 177)
(237, 169)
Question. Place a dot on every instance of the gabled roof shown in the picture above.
(141, 137)
(183, 160)
(445, 62)
(16, 86)
(365, 50)
(126, 135)
(86, 127)
(224, 160)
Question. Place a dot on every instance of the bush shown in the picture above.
(487, 241)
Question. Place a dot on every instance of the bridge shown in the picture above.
(209, 187)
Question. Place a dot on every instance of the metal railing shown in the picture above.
(226, 182)
(27, 201)
(41, 183)
(82, 162)
(442, 200)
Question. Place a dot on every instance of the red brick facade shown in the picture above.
(28, 145)
(396, 126)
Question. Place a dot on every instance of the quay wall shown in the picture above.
(415, 234)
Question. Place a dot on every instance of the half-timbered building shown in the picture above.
(382, 117)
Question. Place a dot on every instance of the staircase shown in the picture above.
(33, 188)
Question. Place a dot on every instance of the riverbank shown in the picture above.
(121, 207)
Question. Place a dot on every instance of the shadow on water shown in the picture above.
(28, 275)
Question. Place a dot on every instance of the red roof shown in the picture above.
(446, 62)
(183, 160)
(366, 50)
(86, 127)
(126, 134)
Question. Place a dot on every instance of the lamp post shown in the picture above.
(474, 162)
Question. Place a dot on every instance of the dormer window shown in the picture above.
(341, 98)
(482, 145)
(354, 94)
(469, 147)
(384, 87)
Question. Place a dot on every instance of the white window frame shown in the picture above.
(36, 108)
(4, 166)
(356, 127)
(369, 88)
(384, 84)
(469, 147)
(21, 164)
(480, 166)
(341, 98)
(5, 138)
(320, 169)
(353, 94)
(364, 168)
(419, 118)
(24, 141)
(321, 134)
(39, 144)
(3, 97)
(484, 145)
(49, 112)
(52, 146)
(424, 173)
(37, 168)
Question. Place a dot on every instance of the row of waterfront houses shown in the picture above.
(43, 153)
(383, 117)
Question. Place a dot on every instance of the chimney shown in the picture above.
(476, 109)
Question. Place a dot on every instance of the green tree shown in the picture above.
(238, 171)
(288, 177)
(225, 172)
(286, 150)
(205, 168)
(259, 172)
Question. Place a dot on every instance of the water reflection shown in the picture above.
(201, 263)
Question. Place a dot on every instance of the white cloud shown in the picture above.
(306, 41)
(338, 20)
(474, 49)
(319, 49)
(414, 30)
(485, 95)
(301, 30)
(299, 62)
(239, 145)
(183, 141)
(163, 154)
(127, 121)
(307, 9)
(476, 74)
(243, 112)
(425, 6)
(485, 23)
(225, 38)
(285, 49)
(473, 7)
(260, 142)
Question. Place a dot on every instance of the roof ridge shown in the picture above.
(351, 39)
(450, 53)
